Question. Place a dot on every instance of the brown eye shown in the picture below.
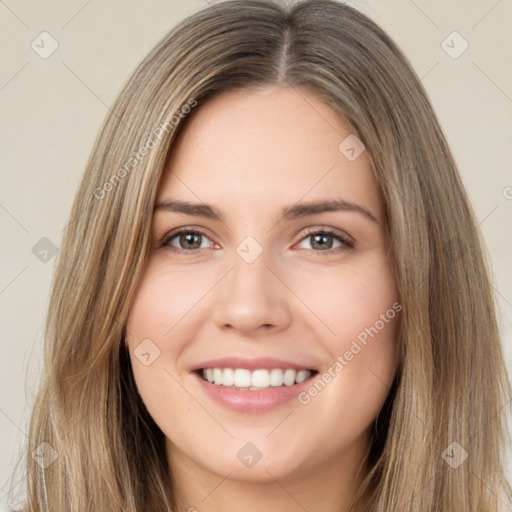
(321, 241)
(327, 240)
(186, 240)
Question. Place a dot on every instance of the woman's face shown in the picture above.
(269, 263)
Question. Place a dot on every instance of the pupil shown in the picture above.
(189, 238)
(320, 239)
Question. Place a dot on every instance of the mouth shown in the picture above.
(252, 385)
(260, 379)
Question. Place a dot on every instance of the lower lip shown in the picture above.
(243, 400)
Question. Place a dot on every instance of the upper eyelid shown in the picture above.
(178, 231)
(328, 230)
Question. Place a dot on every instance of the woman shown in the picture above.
(271, 293)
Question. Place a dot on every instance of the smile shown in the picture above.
(255, 380)
(254, 390)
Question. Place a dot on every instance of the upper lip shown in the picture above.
(250, 364)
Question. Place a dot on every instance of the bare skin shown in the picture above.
(305, 299)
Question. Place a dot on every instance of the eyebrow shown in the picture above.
(290, 212)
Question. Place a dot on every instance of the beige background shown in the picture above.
(51, 110)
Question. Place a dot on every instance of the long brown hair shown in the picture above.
(447, 402)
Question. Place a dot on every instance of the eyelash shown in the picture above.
(347, 242)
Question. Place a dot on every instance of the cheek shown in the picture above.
(349, 300)
(356, 317)
(168, 305)
(159, 303)
(159, 314)
(166, 299)
(361, 309)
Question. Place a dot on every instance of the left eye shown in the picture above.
(324, 241)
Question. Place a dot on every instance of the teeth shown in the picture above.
(217, 376)
(228, 377)
(289, 377)
(276, 377)
(260, 379)
(255, 380)
(302, 375)
(242, 378)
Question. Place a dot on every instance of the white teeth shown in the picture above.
(260, 379)
(242, 378)
(217, 376)
(257, 379)
(289, 377)
(228, 377)
(276, 377)
(302, 375)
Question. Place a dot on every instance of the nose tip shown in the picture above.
(251, 298)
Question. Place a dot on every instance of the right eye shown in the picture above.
(186, 240)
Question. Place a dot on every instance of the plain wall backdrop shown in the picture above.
(56, 88)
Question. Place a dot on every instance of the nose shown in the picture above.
(252, 298)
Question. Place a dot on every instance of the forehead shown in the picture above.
(267, 147)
